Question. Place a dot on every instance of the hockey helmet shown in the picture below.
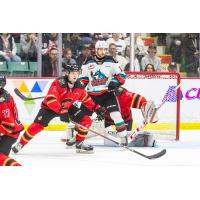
(70, 68)
(101, 45)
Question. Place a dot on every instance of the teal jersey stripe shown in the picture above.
(123, 75)
(83, 78)
(120, 124)
(109, 61)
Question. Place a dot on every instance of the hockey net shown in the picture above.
(155, 86)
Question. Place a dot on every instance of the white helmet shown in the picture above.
(101, 44)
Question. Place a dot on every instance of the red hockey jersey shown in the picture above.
(9, 122)
(61, 96)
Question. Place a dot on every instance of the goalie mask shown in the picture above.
(2, 83)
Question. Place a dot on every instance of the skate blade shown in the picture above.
(81, 151)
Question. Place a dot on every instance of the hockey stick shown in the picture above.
(154, 156)
(24, 98)
(144, 123)
(88, 136)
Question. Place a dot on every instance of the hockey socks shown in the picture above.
(81, 132)
(32, 130)
(7, 161)
(119, 123)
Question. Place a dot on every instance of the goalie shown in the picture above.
(128, 100)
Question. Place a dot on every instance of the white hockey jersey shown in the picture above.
(98, 76)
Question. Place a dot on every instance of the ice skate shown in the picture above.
(71, 142)
(83, 148)
(17, 147)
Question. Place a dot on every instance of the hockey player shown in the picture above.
(64, 99)
(102, 75)
(10, 126)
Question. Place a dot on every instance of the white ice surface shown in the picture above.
(47, 149)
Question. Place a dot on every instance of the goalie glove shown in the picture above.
(64, 116)
(100, 112)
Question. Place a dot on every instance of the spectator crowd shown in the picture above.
(76, 47)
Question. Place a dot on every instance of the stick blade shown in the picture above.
(19, 94)
(151, 157)
(157, 155)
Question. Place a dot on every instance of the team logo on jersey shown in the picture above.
(99, 75)
(99, 78)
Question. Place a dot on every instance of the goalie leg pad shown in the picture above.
(144, 139)
(149, 112)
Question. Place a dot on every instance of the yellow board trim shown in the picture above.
(157, 126)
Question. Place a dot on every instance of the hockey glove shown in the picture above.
(119, 91)
(64, 116)
(100, 112)
(112, 86)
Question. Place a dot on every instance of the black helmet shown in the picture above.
(70, 68)
(2, 81)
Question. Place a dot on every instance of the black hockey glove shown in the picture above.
(100, 112)
(64, 116)
(118, 91)
(112, 86)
